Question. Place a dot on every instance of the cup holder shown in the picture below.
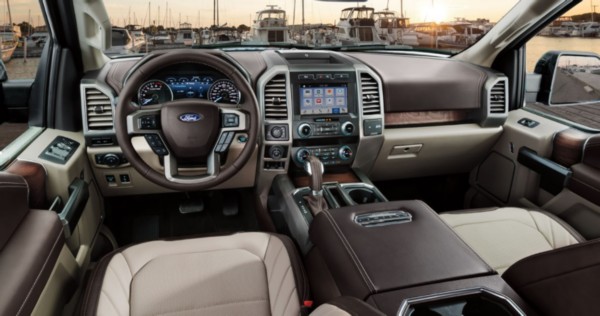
(363, 196)
(362, 193)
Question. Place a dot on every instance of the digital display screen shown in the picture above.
(190, 87)
(323, 99)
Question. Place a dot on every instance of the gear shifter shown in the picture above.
(314, 168)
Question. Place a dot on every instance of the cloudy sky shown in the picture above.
(235, 12)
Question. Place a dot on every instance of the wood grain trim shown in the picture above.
(425, 117)
(568, 146)
(348, 177)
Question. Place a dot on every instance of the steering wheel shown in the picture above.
(186, 130)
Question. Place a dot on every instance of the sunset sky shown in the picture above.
(236, 12)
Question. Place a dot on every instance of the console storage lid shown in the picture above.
(368, 259)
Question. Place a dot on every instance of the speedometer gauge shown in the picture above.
(224, 91)
(154, 92)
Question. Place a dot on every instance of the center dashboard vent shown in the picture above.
(99, 110)
(276, 99)
(497, 98)
(371, 100)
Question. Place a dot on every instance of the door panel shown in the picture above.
(517, 182)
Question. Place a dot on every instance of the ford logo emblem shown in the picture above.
(190, 117)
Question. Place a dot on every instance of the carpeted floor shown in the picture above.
(149, 217)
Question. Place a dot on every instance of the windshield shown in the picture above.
(443, 26)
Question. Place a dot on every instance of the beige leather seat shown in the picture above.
(503, 236)
(239, 274)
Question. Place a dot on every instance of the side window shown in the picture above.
(23, 35)
(563, 68)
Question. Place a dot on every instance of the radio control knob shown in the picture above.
(347, 128)
(345, 152)
(111, 160)
(304, 130)
(302, 154)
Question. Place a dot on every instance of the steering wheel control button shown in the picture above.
(242, 139)
(149, 122)
(231, 120)
(156, 144)
(224, 142)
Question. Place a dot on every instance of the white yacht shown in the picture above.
(185, 34)
(394, 29)
(356, 26)
(9, 39)
(270, 26)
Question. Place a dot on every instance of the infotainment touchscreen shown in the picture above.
(323, 99)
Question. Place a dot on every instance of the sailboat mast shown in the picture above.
(9, 15)
(401, 8)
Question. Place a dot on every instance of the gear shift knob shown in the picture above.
(314, 168)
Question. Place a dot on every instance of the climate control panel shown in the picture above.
(330, 155)
(325, 127)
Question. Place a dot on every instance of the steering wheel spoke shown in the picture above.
(144, 121)
(213, 165)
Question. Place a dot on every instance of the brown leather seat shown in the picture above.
(30, 243)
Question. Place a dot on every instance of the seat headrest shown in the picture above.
(14, 204)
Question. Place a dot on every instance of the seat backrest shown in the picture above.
(564, 281)
(30, 243)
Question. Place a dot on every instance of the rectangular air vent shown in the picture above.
(370, 95)
(497, 98)
(276, 99)
(99, 110)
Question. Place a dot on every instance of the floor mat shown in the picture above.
(150, 217)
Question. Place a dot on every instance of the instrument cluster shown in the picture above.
(171, 87)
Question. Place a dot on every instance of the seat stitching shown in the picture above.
(288, 301)
(539, 230)
(109, 268)
(495, 221)
(37, 278)
(281, 284)
(110, 300)
(275, 262)
(350, 252)
(214, 305)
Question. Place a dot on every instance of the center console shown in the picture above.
(325, 121)
(401, 257)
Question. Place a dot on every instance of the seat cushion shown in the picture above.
(245, 273)
(503, 236)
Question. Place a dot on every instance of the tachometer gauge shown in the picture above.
(224, 91)
(154, 92)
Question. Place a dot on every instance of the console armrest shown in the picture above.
(368, 259)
